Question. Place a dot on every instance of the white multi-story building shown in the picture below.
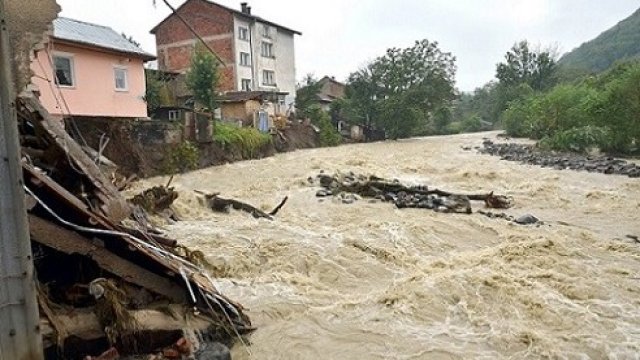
(259, 55)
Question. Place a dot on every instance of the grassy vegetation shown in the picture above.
(246, 140)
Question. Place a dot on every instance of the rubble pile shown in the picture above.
(529, 154)
(351, 187)
(105, 289)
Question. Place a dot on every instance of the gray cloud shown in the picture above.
(340, 36)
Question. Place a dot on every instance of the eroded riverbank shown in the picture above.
(328, 280)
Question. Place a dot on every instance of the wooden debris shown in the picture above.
(220, 204)
(67, 162)
(76, 215)
(156, 199)
(403, 196)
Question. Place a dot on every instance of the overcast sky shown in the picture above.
(339, 36)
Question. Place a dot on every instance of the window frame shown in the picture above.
(243, 82)
(266, 31)
(72, 70)
(126, 78)
(267, 54)
(174, 115)
(244, 55)
(243, 30)
(269, 74)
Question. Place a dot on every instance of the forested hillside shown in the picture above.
(622, 42)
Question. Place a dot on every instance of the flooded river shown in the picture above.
(328, 280)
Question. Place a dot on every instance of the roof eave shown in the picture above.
(143, 56)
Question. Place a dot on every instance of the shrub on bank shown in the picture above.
(246, 140)
(329, 135)
(182, 158)
(603, 113)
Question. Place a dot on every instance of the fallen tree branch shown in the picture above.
(220, 204)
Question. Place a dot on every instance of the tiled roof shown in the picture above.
(95, 35)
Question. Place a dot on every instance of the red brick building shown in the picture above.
(258, 54)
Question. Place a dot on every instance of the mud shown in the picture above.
(328, 280)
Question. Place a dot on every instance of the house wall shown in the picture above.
(94, 92)
(286, 65)
(240, 110)
(333, 89)
(243, 72)
(175, 42)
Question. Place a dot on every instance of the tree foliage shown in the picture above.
(602, 112)
(401, 90)
(329, 135)
(202, 77)
(307, 96)
(524, 65)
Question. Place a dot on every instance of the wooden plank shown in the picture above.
(70, 242)
(114, 205)
(84, 324)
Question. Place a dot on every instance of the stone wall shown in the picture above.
(27, 21)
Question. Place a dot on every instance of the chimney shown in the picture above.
(248, 10)
(245, 8)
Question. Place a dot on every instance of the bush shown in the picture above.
(579, 139)
(472, 123)
(517, 119)
(183, 158)
(620, 111)
(246, 140)
(329, 135)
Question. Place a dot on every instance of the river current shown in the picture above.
(328, 280)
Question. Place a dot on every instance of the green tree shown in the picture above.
(202, 77)
(153, 95)
(307, 96)
(401, 90)
(535, 68)
(329, 135)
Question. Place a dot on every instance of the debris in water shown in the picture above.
(219, 204)
(349, 187)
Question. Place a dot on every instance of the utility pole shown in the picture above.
(20, 336)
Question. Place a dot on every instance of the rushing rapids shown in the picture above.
(329, 280)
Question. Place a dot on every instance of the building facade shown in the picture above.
(258, 55)
(90, 70)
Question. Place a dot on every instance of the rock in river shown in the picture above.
(527, 220)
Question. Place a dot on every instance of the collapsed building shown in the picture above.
(107, 282)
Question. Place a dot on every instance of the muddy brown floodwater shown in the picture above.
(367, 281)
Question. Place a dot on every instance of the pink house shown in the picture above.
(90, 70)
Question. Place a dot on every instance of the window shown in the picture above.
(268, 78)
(120, 76)
(245, 60)
(243, 33)
(174, 114)
(64, 70)
(267, 49)
(246, 84)
(266, 31)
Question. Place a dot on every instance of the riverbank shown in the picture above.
(152, 148)
(368, 280)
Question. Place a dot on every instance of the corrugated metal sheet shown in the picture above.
(96, 35)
